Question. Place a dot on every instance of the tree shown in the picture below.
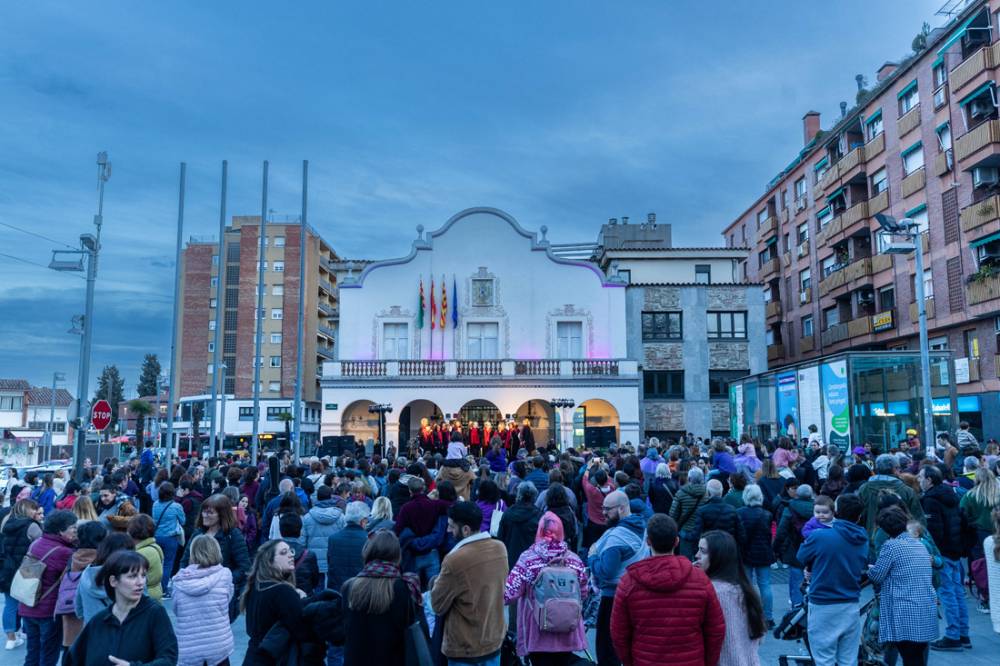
(920, 41)
(141, 408)
(149, 375)
(111, 387)
(287, 418)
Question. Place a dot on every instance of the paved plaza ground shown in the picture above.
(985, 644)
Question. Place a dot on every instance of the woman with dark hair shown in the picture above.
(250, 485)
(20, 529)
(557, 501)
(857, 474)
(488, 500)
(45, 495)
(88, 538)
(379, 604)
(835, 482)
(218, 519)
(718, 556)
(907, 603)
(772, 484)
(133, 629)
(54, 548)
(289, 503)
(142, 530)
(90, 596)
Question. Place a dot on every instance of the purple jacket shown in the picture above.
(55, 564)
(519, 587)
(488, 508)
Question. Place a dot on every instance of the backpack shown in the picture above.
(26, 586)
(557, 605)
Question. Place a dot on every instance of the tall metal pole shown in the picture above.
(300, 334)
(259, 319)
(52, 414)
(172, 396)
(925, 360)
(220, 315)
(222, 415)
(89, 244)
(159, 430)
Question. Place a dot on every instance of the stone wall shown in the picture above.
(663, 356)
(664, 415)
(728, 356)
(720, 415)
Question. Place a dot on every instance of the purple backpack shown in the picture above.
(557, 604)
(66, 598)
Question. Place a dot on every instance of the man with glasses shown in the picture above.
(621, 545)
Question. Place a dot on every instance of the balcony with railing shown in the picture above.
(845, 274)
(775, 352)
(859, 326)
(326, 330)
(878, 203)
(875, 146)
(881, 262)
(767, 228)
(914, 182)
(772, 309)
(909, 121)
(326, 351)
(326, 286)
(834, 334)
(327, 309)
(929, 308)
(769, 268)
(982, 288)
(971, 68)
(943, 162)
(831, 176)
(472, 369)
(850, 162)
(978, 143)
(984, 214)
(807, 344)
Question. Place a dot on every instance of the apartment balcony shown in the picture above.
(326, 330)
(769, 268)
(878, 203)
(930, 310)
(881, 262)
(846, 221)
(859, 327)
(834, 227)
(831, 282)
(772, 309)
(851, 161)
(944, 162)
(803, 249)
(831, 176)
(834, 334)
(982, 290)
(808, 344)
(464, 369)
(326, 286)
(774, 352)
(784, 215)
(981, 214)
(875, 146)
(909, 121)
(852, 272)
(805, 296)
(767, 228)
(977, 144)
(327, 309)
(914, 182)
(976, 64)
(326, 351)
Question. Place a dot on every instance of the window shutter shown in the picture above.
(955, 291)
(949, 209)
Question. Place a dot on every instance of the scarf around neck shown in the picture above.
(385, 569)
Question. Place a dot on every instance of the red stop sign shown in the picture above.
(100, 415)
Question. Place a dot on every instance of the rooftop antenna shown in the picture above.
(951, 7)
(843, 109)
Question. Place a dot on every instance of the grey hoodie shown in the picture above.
(90, 597)
(323, 521)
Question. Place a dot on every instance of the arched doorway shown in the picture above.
(358, 422)
(541, 418)
(600, 423)
(410, 416)
(479, 411)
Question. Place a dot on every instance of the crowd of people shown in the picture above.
(508, 554)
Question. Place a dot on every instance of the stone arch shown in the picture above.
(358, 422)
(541, 416)
(410, 416)
(602, 425)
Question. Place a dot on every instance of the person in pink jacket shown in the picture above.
(202, 591)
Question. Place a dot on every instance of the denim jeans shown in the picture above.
(762, 576)
(795, 578)
(485, 661)
(838, 634)
(44, 641)
(952, 595)
(9, 614)
(334, 655)
(169, 546)
(427, 566)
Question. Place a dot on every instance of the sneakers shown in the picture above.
(12, 644)
(951, 644)
(966, 643)
(983, 608)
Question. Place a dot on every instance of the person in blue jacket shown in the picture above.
(836, 559)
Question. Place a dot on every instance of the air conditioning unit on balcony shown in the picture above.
(985, 176)
(800, 204)
(803, 249)
(980, 108)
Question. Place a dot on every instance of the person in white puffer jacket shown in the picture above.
(202, 592)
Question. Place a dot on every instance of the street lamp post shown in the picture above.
(222, 412)
(908, 230)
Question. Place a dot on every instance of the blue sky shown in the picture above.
(562, 113)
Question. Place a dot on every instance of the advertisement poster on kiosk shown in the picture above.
(836, 406)
(788, 406)
(810, 411)
(736, 410)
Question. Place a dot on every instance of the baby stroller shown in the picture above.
(794, 627)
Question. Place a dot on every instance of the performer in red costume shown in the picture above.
(474, 442)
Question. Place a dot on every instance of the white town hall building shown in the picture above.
(483, 321)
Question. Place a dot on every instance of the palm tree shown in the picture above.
(141, 409)
(287, 418)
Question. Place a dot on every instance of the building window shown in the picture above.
(625, 275)
(718, 381)
(831, 317)
(274, 387)
(803, 233)
(58, 426)
(919, 217)
(213, 303)
(211, 324)
(276, 338)
(211, 347)
(727, 325)
(483, 339)
(880, 182)
(800, 191)
(275, 361)
(762, 216)
(807, 326)
(702, 274)
(938, 344)
(11, 403)
(913, 158)
(971, 343)
(944, 136)
(395, 341)
(569, 336)
(246, 413)
(274, 413)
(664, 384)
(211, 369)
(886, 298)
(873, 126)
(909, 98)
(278, 290)
(279, 267)
(805, 279)
(215, 282)
(662, 326)
(823, 217)
(928, 284)
(277, 313)
(279, 241)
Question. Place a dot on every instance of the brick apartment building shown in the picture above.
(200, 314)
(924, 143)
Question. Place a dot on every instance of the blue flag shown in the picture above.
(454, 299)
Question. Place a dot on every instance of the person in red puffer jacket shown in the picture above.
(664, 605)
